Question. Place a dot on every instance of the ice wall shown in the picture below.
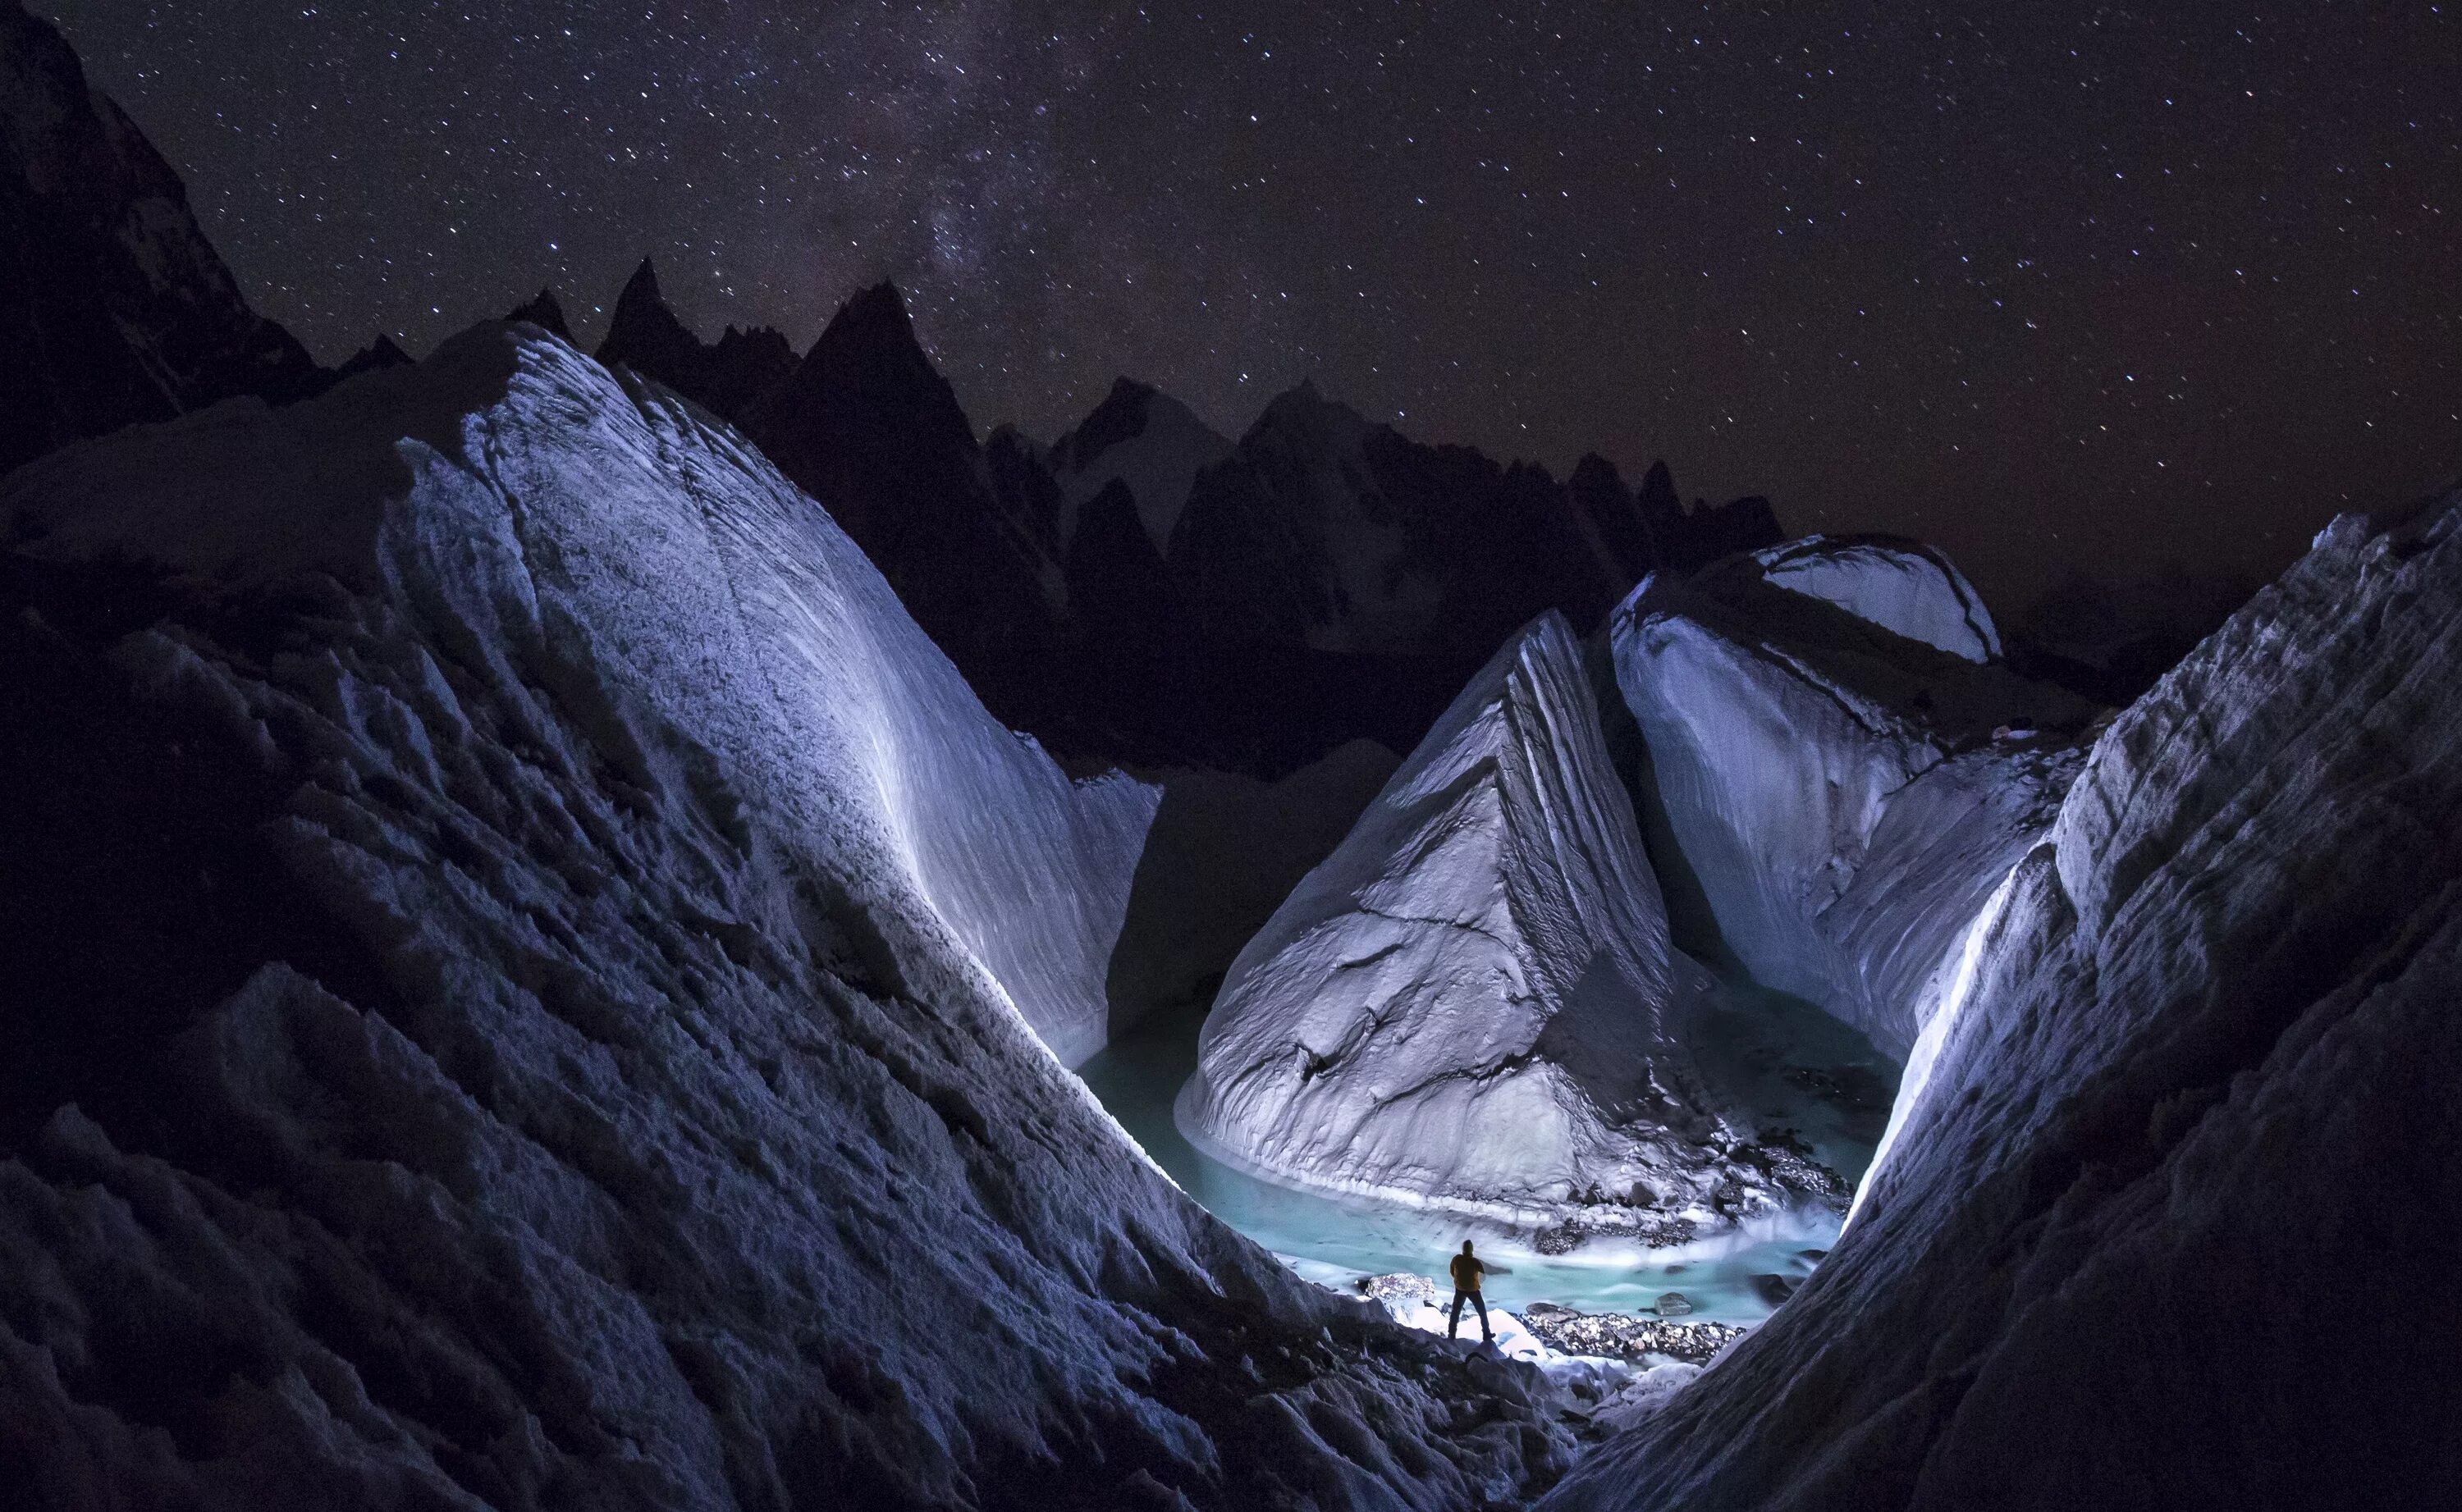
(1474, 1000)
(1830, 798)
(1903, 586)
(514, 989)
(2168, 1224)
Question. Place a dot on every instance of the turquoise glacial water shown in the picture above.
(1792, 1065)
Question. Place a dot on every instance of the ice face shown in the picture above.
(1903, 586)
(517, 995)
(2168, 1213)
(1473, 1002)
(1831, 800)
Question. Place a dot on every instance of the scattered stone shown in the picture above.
(1629, 1336)
(1399, 1285)
(1560, 1240)
(1673, 1304)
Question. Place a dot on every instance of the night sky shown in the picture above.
(2058, 285)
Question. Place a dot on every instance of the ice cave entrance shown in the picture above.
(1791, 1064)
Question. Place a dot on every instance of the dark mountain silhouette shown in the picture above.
(1145, 589)
(645, 336)
(114, 307)
(544, 311)
(869, 427)
(373, 357)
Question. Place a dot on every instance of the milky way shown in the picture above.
(2061, 287)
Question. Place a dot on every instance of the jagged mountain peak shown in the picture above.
(642, 287)
(726, 377)
(113, 307)
(544, 311)
(374, 357)
(869, 361)
(1147, 441)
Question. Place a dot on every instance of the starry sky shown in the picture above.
(2061, 287)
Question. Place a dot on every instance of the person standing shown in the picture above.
(1467, 1270)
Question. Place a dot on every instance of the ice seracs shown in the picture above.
(1828, 802)
(1474, 1001)
(2170, 1218)
(715, 598)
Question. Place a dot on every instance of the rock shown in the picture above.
(1673, 1304)
(1623, 1336)
(1473, 1001)
(2199, 1059)
(1771, 1287)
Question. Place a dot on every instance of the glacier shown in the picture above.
(1474, 1002)
(1834, 771)
(2166, 1220)
(760, 627)
(525, 992)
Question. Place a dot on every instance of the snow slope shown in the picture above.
(515, 972)
(1827, 798)
(1473, 1001)
(2169, 1222)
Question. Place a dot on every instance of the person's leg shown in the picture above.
(1452, 1325)
(1480, 1301)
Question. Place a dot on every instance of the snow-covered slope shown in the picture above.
(2170, 1221)
(1828, 800)
(1145, 439)
(511, 965)
(1473, 1001)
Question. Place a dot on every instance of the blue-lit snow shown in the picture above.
(1791, 1064)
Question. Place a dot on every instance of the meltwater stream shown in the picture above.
(1791, 1064)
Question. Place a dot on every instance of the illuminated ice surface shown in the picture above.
(1790, 1064)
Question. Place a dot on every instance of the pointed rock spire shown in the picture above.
(645, 336)
(546, 312)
